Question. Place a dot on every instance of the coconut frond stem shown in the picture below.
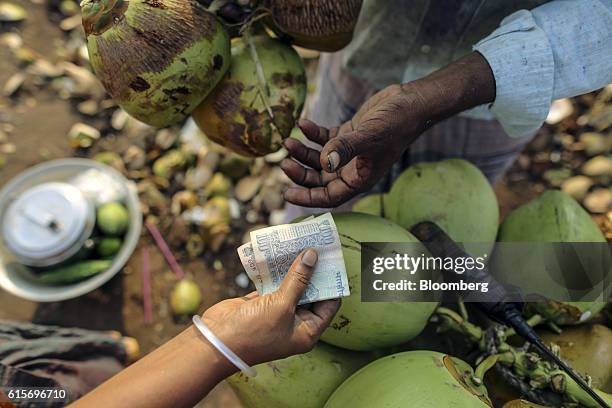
(264, 89)
(537, 380)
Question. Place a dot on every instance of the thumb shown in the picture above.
(340, 150)
(298, 276)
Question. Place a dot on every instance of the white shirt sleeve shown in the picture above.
(557, 50)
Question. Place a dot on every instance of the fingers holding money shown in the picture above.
(312, 323)
(270, 325)
(298, 276)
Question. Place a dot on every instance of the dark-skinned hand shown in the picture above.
(351, 158)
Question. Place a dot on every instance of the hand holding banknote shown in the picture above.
(273, 326)
(267, 257)
(257, 328)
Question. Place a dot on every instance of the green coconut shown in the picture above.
(219, 185)
(170, 163)
(452, 193)
(217, 211)
(158, 59)
(552, 217)
(374, 204)
(304, 380)
(371, 325)
(316, 24)
(256, 105)
(587, 349)
(416, 379)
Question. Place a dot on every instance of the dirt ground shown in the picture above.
(38, 132)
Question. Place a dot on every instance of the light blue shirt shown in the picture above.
(558, 49)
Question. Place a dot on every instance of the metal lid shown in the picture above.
(47, 224)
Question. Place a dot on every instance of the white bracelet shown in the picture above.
(223, 349)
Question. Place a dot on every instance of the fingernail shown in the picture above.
(333, 159)
(309, 258)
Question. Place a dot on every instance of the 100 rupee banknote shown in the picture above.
(272, 250)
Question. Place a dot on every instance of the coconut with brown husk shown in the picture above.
(158, 59)
(256, 105)
(316, 24)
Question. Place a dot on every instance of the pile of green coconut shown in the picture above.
(245, 86)
(390, 354)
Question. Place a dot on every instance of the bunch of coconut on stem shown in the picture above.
(530, 375)
(164, 60)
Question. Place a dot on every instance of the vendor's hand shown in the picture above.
(357, 154)
(270, 327)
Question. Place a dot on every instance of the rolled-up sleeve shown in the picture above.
(560, 49)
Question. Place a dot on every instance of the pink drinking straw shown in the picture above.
(165, 250)
(146, 287)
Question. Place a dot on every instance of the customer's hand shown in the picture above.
(270, 327)
(354, 156)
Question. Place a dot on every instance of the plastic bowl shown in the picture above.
(17, 279)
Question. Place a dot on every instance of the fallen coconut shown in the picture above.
(183, 200)
(304, 380)
(371, 204)
(452, 193)
(158, 60)
(110, 159)
(321, 25)
(185, 298)
(197, 177)
(195, 245)
(82, 135)
(247, 187)
(599, 200)
(588, 350)
(219, 185)
(556, 177)
(168, 164)
(217, 211)
(552, 217)
(256, 105)
(595, 143)
(135, 157)
(416, 379)
(234, 166)
(577, 186)
(598, 166)
(12, 13)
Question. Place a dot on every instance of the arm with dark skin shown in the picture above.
(355, 155)
(257, 328)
